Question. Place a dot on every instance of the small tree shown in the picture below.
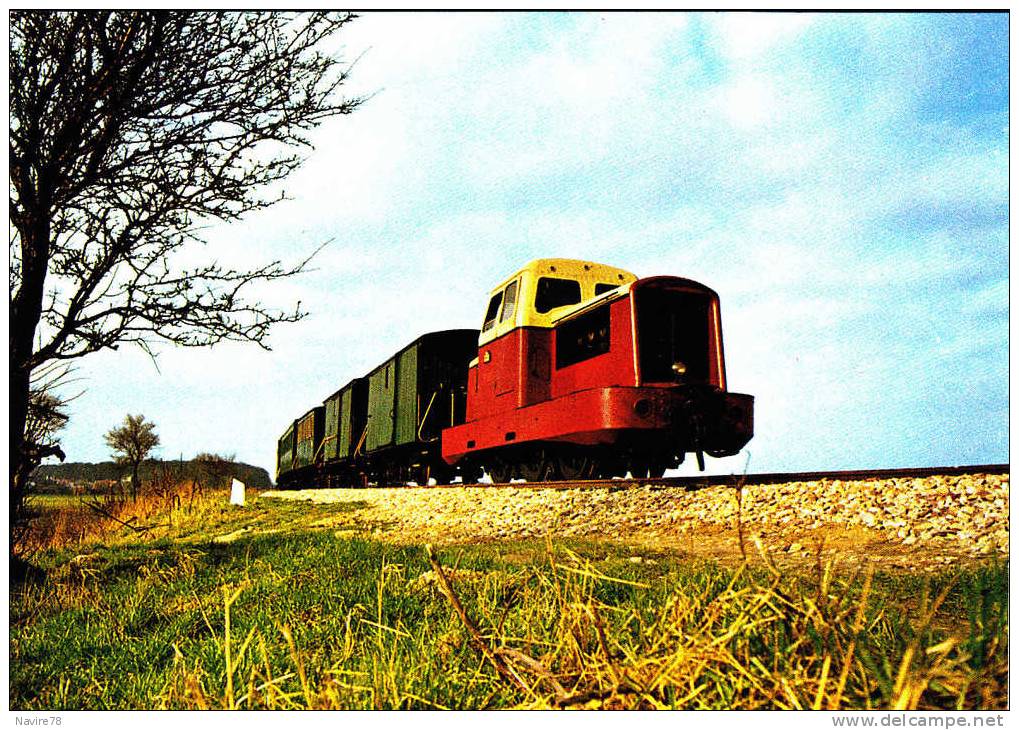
(131, 443)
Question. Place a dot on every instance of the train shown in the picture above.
(580, 371)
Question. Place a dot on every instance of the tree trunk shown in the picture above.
(19, 384)
(134, 482)
(25, 312)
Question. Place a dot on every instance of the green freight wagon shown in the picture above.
(345, 419)
(285, 454)
(414, 395)
(309, 438)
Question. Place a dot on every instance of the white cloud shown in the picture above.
(745, 36)
(750, 101)
(586, 94)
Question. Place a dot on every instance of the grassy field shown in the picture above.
(55, 501)
(206, 611)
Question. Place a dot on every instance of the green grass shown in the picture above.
(305, 618)
(55, 501)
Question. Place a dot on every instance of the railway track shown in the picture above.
(691, 483)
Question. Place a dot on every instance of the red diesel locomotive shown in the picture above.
(579, 371)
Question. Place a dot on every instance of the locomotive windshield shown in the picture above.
(553, 293)
(673, 336)
(492, 313)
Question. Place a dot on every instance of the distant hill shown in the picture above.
(54, 477)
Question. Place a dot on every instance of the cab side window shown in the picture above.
(492, 313)
(602, 288)
(510, 301)
(583, 337)
(554, 293)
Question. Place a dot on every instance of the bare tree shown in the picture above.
(131, 444)
(130, 131)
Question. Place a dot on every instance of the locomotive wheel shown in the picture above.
(573, 468)
(500, 472)
(539, 468)
(533, 471)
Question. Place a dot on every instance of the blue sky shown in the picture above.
(840, 180)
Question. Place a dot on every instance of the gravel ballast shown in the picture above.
(912, 522)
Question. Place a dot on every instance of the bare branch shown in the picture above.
(130, 133)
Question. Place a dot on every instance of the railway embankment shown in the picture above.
(914, 523)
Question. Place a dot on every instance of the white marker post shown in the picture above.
(237, 492)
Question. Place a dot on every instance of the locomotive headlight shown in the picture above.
(679, 368)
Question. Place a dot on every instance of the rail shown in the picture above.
(692, 483)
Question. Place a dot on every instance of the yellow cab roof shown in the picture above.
(587, 273)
